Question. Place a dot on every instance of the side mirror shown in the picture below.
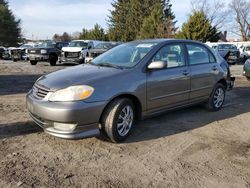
(157, 65)
(89, 47)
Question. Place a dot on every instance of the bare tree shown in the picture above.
(240, 11)
(215, 10)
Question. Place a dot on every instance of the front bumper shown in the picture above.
(88, 59)
(64, 59)
(38, 57)
(85, 115)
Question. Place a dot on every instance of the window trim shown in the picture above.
(202, 46)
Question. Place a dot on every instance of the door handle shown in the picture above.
(185, 72)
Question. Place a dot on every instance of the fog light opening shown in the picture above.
(64, 126)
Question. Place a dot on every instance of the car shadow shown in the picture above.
(175, 122)
(17, 129)
(16, 84)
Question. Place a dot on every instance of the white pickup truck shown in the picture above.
(77, 50)
(245, 53)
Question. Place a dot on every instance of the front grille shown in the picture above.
(232, 53)
(34, 51)
(94, 54)
(72, 54)
(39, 92)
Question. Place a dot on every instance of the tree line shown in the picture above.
(139, 19)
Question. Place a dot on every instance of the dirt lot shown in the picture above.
(187, 148)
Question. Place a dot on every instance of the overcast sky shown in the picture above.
(42, 19)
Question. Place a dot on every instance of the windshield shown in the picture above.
(104, 46)
(25, 46)
(81, 44)
(47, 45)
(227, 47)
(125, 56)
(248, 48)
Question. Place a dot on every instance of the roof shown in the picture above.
(164, 40)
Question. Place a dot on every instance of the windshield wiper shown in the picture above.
(109, 65)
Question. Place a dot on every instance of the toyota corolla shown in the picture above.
(129, 82)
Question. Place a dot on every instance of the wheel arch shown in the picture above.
(133, 98)
(223, 82)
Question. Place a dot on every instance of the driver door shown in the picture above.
(168, 87)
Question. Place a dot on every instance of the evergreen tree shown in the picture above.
(150, 24)
(97, 33)
(117, 20)
(131, 19)
(84, 34)
(198, 27)
(10, 31)
(166, 28)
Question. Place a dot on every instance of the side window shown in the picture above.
(90, 45)
(197, 54)
(171, 55)
(212, 58)
(59, 45)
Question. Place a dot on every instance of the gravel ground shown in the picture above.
(186, 148)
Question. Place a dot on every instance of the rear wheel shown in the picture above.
(118, 119)
(53, 59)
(32, 62)
(217, 98)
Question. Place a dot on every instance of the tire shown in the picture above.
(82, 61)
(52, 60)
(32, 62)
(111, 117)
(216, 95)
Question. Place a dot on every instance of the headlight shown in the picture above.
(43, 51)
(73, 93)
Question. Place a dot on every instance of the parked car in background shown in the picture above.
(21, 53)
(48, 51)
(7, 54)
(77, 50)
(131, 81)
(99, 49)
(229, 52)
(246, 69)
(2, 49)
(245, 53)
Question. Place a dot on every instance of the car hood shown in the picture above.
(77, 75)
(72, 49)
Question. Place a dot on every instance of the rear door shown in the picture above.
(203, 69)
(170, 86)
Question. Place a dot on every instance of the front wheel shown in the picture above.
(217, 98)
(32, 62)
(118, 119)
(52, 60)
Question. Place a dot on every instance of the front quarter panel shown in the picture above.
(128, 81)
